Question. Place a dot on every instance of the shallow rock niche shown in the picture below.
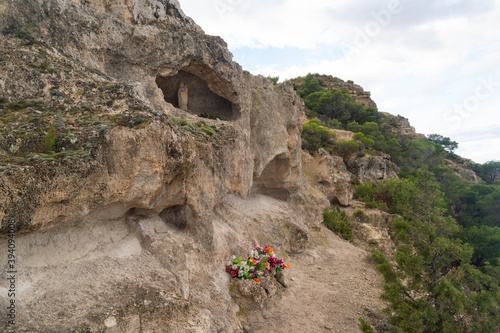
(197, 89)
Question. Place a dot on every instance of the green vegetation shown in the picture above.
(365, 327)
(49, 140)
(210, 116)
(375, 133)
(198, 128)
(489, 171)
(447, 267)
(21, 105)
(275, 79)
(58, 128)
(434, 285)
(358, 213)
(337, 221)
(21, 34)
(449, 145)
(316, 136)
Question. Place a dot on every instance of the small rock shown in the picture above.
(280, 277)
(110, 322)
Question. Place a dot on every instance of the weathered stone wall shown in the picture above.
(139, 231)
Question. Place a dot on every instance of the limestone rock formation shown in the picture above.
(123, 208)
(127, 206)
(403, 127)
(372, 228)
(355, 90)
(329, 82)
(370, 168)
(464, 173)
(331, 175)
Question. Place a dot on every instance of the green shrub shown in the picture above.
(275, 79)
(20, 105)
(365, 327)
(358, 213)
(346, 148)
(315, 136)
(371, 195)
(337, 221)
(49, 140)
(208, 131)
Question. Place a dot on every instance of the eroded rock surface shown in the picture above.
(331, 175)
(128, 207)
(369, 168)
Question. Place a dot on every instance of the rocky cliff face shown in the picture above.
(119, 217)
(260, 148)
(331, 176)
(372, 169)
(136, 159)
(355, 90)
(403, 127)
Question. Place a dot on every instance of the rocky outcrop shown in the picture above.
(331, 176)
(369, 168)
(127, 204)
(402, 127)
(260, 148)
(372, 228)
(137, 158)
(355, 90)
(329, 82)
(465, 173)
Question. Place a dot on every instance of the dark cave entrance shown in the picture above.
(199, 95)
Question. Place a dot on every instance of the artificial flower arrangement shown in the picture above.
(259, 260)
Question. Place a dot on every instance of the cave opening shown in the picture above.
(176, 216)
(195, 94)
(272, 181)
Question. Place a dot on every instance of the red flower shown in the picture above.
(228, 269)
(234, 273)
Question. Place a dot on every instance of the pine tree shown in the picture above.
(432, 287)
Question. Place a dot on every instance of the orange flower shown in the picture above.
(268, 266)
(270, 249)
(252, 260)
(257, 280)
(287, 265)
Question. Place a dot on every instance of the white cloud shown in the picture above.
(419, 62)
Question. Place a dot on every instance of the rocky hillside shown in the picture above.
(136, 158)
(329, 82)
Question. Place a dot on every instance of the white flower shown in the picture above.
(233, 258)
(240, 274)
(234, 267)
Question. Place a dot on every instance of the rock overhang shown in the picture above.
(204, 92)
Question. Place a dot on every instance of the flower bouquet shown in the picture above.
(259, 261)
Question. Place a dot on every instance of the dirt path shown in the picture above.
(330, 288)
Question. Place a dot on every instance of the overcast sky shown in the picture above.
(436, 62)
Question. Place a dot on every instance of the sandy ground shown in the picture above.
(330, 288)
